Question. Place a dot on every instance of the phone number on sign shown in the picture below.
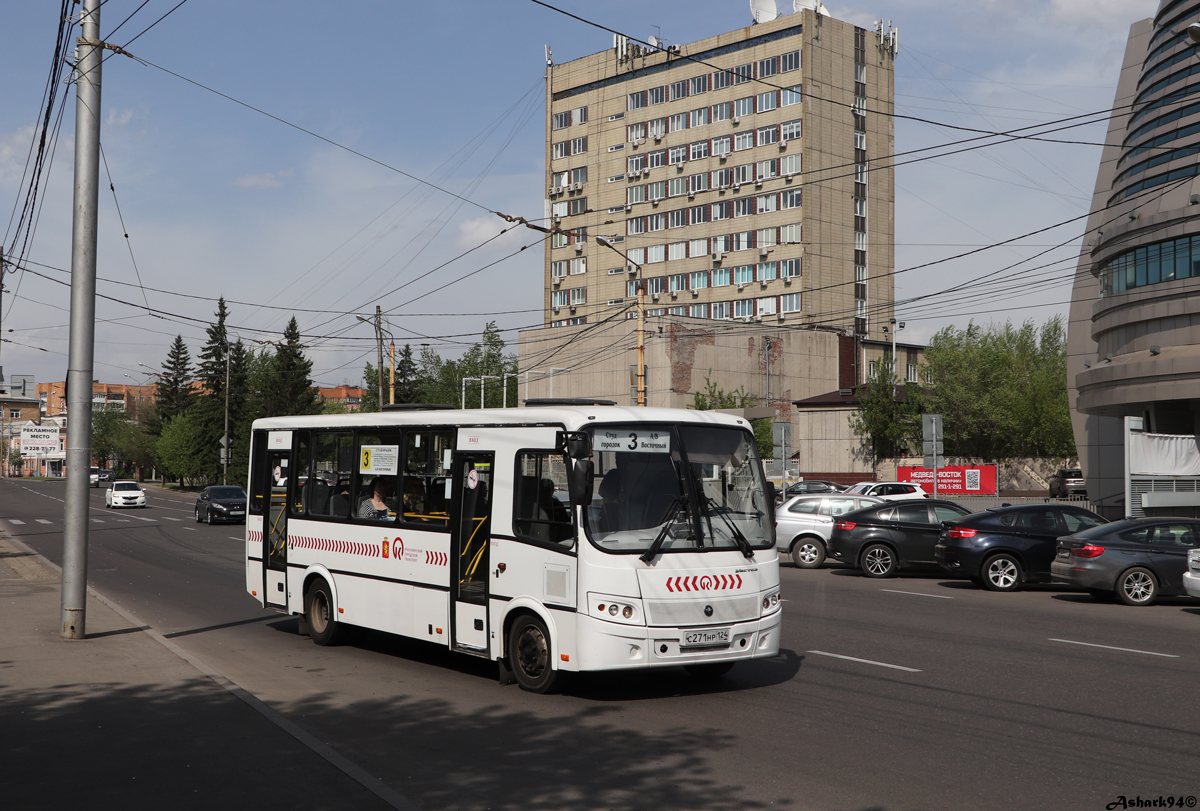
(1153, 802)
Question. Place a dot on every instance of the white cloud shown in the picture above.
(267, 180)
(476, 231)
(118, 119)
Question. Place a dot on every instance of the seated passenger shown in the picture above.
(375, 508)
(414, 500)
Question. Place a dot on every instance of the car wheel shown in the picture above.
(198, 521)
(878, 561)
(1137, 587)
(529, 654)
(1101, 595)
(1001, 573)
(318, 611)
(808, 553)
(707, 672)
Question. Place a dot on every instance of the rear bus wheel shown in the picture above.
(529, 654)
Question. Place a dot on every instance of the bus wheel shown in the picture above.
(708, 672)
(318, 610)
(529, 654)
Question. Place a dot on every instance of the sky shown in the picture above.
(267, 154)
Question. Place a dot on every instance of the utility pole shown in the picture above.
(379, 346)
(226, 443)
(392, 385)
(73, 620)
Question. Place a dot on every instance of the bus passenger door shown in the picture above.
(470, 526)
(275, 527)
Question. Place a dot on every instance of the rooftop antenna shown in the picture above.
(763, 10)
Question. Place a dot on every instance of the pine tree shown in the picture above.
(407, 387)
(173, 394)
(209, 409)
(370, 396)
(290, 389)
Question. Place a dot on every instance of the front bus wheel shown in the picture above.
(529, 654)
(318, 611)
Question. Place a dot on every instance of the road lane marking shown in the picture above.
(1110, 647)
(919, 594)
(169, 518)
(234, 537)
(865, 661)
(139, 518)
(16, 520)
(97, 520)
(42, 520)
(190, 529)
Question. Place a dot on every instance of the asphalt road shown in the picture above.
(917, 692)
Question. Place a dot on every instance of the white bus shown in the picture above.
(552, 539)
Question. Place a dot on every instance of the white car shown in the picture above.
(803, 524)
(1191, 576)
(125, 494)
(888, 491)
(94, 477)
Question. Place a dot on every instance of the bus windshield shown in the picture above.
(663, 488)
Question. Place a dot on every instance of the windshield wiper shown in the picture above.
(672, 514)
(738, 537)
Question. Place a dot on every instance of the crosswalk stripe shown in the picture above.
(16, 521)
(42, 520)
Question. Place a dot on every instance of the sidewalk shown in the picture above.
(119, 719)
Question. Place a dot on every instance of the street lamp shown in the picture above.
(641, 321)
(896, 327)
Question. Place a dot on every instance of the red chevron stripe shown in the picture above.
(739, 580)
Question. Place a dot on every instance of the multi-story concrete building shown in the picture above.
(1134, 337)
(745, 183)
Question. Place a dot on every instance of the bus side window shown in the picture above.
(258, 472)
(378, 498)
(425, 477)
(541, 511)
(329, 475)
(304, 492)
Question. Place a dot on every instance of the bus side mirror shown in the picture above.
(577, 444)
(771, 492)
(580, 482)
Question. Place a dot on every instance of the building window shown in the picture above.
(743, 107)
(698, 311)
(699, 150)
(721, 277)
(790, 234)
(655, 222)
(790, 130)
(721, 145)
(579, 205)
(579, 145)
(677, 218)
(559, 209)
(678, 122)
(767, 135)
(578, 265)
(578, 296)
(635, 194)
(722, 244)
(636, 132)
(679, 89)
(765, 204)
(743, 308)
(562, 120)
(654, 285)
(743, 173)
(789, 61)
(743, 241)
(697, 247)
(743, 73)
(789, 268)
(676, 250)
(743, 207)
(579, 175)
(637, 100)
(721, 79)
(698, 183)
(558, 240)
(720, 310)
(767, 306)
(767, 169)
(792, 95)
(656, 95)
(766, 237)
(700, 117)
(657, 127)
(766, 67)
(722, 111)
(789, 165)
(657, 190)
(790, 303)
(790, 198)
(677, 154)
(655, 160)
(698, 84)
(559, 268)
(721, 211)
(743, 140)
(635, 163)
(635, 225)
(559, 298)
(766, 101)
(561, 149)
(677, 282)
(677, 187)
(579, 115)
(766, 271)
(698, 280)
(698, 215)
(743, 274)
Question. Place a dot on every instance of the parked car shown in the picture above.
(105, 475)
(1001, 548)
(1137, 559)
(1067, 482)
(124, 494)
(889, 491)
(803, 524)
(812, 487)
(94, 477)
(891, 536)
(1191, 578)
(221, 503)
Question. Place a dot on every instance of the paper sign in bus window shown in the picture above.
(379, 460)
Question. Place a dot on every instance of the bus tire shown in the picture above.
(318, 612)
(529, 654)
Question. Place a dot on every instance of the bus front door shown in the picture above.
(275, 528)
(470, 522)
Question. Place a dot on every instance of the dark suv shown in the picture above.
(1003, 547)
(890, 536)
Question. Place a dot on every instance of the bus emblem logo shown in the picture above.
(385, 547)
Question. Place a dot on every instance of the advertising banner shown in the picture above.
(38, 440)
(952, 480)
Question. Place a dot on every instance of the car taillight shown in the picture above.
(846, 525)
(1088, 551)
(961, 532)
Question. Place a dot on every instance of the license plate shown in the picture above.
(236, 512)
(714, 636)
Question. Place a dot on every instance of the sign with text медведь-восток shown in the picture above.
(39, 440)
(960, 480)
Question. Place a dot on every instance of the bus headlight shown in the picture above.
(770, 603)
(625, 610)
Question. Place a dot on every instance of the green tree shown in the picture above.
(209, 410)
(173, 394)
(888, 417)
(370, 397)
(108, 428)
(175, 450)
(407, 384)
(440, 381)
(290, 389)
(713, 398)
